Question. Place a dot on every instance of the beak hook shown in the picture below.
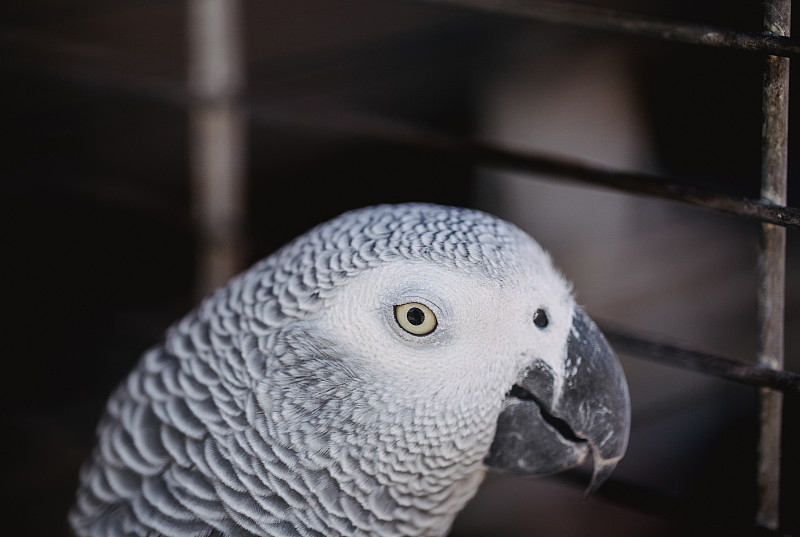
(601, 470)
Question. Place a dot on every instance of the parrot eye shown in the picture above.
(540, 318)
(415, 318)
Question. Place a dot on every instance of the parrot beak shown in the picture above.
(549, 424)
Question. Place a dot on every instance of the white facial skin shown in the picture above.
(484, 336)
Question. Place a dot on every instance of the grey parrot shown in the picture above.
(358, 382)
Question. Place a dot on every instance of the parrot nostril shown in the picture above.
(540, 318)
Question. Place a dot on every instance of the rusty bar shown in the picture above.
(772, 261)
(341, 122)
(598, 18)
(710, 364)
(483, 153)
(217, 128)
(637, 183)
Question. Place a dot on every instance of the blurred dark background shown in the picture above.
(102, 243)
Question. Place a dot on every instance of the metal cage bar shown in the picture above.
(772, 262)
(216, 76)
(611, 20)
(752, 374)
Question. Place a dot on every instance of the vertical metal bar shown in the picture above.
(774, 149)
(217, 144)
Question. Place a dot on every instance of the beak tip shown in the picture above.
(602, 469)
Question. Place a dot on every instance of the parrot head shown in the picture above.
(452, 346)
(362, 380)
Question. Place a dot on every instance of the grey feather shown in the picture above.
(250, 419)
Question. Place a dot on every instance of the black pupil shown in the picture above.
(415, 316)
(540, 318)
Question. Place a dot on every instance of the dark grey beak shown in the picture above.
(552, 424)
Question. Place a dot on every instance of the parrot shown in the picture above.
(360, 381)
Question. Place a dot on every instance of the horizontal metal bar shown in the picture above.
(598, 18)
(387, 130)
(638, 183)
(565, 13)
(751, 374)
(483, 153)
